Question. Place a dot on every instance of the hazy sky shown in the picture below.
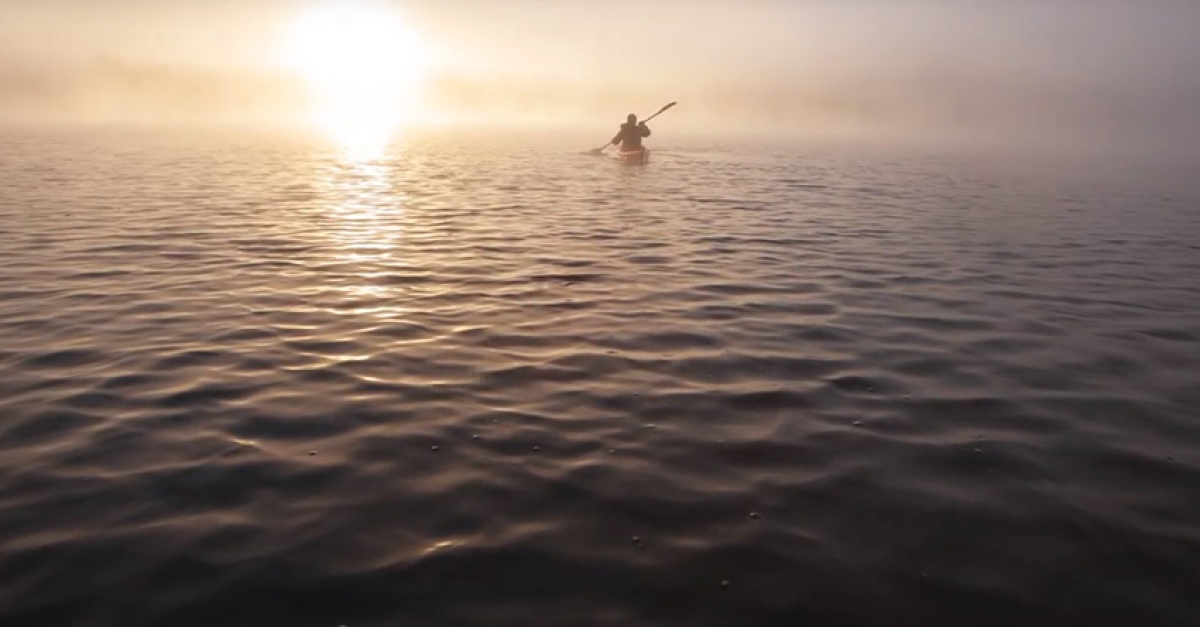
(1108, 73)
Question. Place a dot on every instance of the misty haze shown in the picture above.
(661, 313)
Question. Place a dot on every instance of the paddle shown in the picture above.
(596, 151)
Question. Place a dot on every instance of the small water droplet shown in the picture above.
(537, 448)
(978, 451)
(312, 453)
(435, 448)
(637, 539)
(474, 436)
(858, 423)
(612, 451)
(651, 426)
(724, 583)
(755, 515)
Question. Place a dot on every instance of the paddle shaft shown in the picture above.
(657, 113)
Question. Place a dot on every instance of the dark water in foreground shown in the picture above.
(246, 382)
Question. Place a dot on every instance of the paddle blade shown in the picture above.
(659, 112)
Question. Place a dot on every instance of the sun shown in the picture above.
(363, 65)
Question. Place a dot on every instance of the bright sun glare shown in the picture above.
(363, 65)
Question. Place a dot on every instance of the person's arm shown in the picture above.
(643, 129)
(617, 138)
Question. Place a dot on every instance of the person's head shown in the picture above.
(631, 118)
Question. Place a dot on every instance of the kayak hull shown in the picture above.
(633, 157)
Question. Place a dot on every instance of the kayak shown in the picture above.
(633, 157)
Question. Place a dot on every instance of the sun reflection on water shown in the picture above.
(364, 217)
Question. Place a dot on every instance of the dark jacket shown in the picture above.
(630, 136)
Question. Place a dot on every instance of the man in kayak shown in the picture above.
(631, 134)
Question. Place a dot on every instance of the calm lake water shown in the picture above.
(252, 381)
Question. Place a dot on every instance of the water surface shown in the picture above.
(256, 381)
